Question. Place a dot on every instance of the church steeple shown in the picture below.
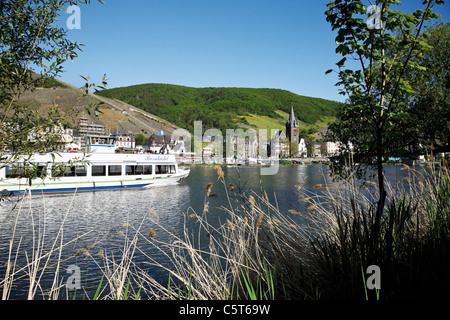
(292, 133)
(292, 123)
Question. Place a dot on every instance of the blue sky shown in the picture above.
(282, 44)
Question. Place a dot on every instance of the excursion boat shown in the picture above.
(98, 170)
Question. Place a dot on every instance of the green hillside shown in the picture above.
(222, 108)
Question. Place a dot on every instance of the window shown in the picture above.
(161, 169)
(80, 171)
(98, 171)
(57, 170)
(19, 171)
(14, 172)
(147, 169)
(114, 170)
(74, 171)
(138, 170)
(41, 171)
(130, 170)
(60, 170)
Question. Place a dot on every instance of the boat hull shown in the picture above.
(88, 186)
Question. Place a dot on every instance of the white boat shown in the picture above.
(79, 172)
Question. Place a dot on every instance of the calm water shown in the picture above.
(103, 220)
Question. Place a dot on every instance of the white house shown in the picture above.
(125, 141)
(302, 151)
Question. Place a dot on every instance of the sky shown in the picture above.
(281, 44)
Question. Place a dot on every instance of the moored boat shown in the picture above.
(79, 172)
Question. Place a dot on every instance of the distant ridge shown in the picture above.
(224, 108)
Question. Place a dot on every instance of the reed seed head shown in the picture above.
(251, 199)
(208, 188)
(220, 173)
(259, 221)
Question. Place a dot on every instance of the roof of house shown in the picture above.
(155, 140)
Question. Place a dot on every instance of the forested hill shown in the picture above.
(220, 108)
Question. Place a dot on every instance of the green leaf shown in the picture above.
(341, 62)
(97, 293)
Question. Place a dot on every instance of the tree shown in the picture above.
(379, 46)
(310, 142)
(430, 105)
(32, 49)
(140, 139)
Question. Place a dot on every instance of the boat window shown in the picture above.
(74, 171)
(159, 169)
(14, 172)
(138, 170)
(98, 171)
(41, 171)
(163, 169)
(20, 171)
(80, 171)
(115, 170)
(147, 169)
(59, 170)
(130, 170)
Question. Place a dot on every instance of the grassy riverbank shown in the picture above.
(259, 252)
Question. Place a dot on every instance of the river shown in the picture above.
(96, 224)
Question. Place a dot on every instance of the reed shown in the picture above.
(259, 252)
(410, 246)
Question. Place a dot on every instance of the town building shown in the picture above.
(124, 140)
(302, 150)
(156, 144)
(284, 145)
(90, 133)
(278, 146)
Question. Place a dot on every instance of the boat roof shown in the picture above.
(115, 158)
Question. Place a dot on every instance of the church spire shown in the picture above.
(292, 123)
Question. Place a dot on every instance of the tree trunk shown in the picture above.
(382, 195)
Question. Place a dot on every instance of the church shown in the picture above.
(286, 145)
(292, 134)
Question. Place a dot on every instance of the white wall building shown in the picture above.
(302, 151)
(125, 141)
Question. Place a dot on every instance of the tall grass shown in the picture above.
(258, 252)
(411, 249)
